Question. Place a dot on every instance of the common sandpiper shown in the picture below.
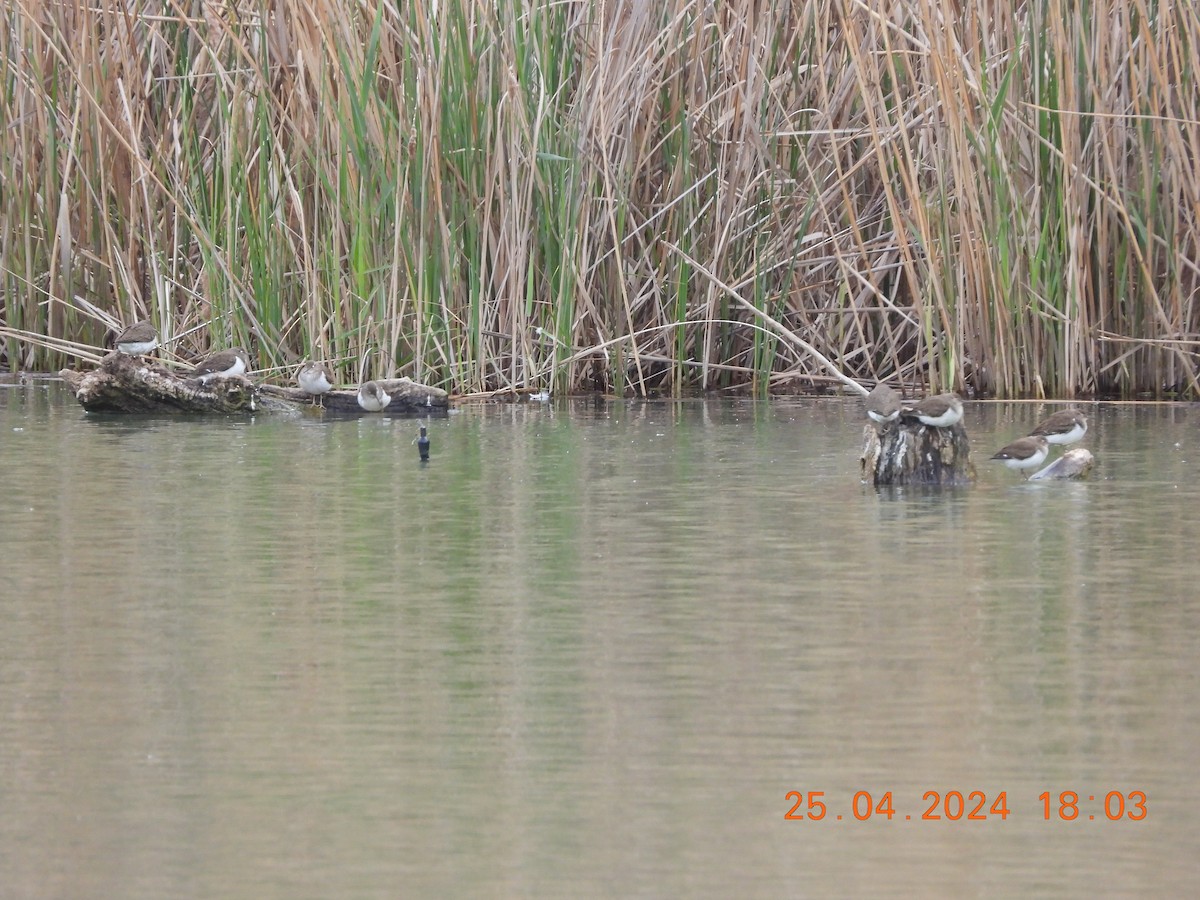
(1064, 427)
(225, 364)
(1024, 453)
(372, 397)
(938, 411)
(138, 339)
(315, 379)
(883, 404)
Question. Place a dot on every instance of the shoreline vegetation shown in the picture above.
(614, 196)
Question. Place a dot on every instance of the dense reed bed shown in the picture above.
(501, 195)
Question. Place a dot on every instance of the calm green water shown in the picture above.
(586, 651)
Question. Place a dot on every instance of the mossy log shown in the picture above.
(907, 452)
(123, 383)
(1074, 465)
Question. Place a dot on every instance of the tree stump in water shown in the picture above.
(907, 452)
(124, 383)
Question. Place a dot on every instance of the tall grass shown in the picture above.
(581, 195)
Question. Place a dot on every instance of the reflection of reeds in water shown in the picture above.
(1009, 200)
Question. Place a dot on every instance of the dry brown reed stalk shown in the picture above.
(614, 196)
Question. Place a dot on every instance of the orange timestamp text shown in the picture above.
(971, 806)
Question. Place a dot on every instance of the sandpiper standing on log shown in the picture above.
(372, 397)
(315, 379)
(938, 411)
(883, 404)
(1065, 427)
(138, 339)
(1024, 453)
(225, 364)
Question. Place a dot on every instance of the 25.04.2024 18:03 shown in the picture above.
(973, 808)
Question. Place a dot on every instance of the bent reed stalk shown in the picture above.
(499, 196)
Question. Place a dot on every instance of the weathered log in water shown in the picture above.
(408, 398)
(907, 452)
(124, 383)
(1074, 465)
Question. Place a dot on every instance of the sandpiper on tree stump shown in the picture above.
(922, 443)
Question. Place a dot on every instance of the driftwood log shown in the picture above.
(906, 452)
(408, 398)
(124, 383)
(1074, 465)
